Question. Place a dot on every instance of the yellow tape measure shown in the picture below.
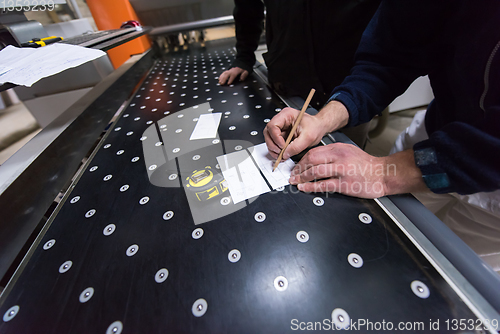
(39, 42)
(205, 184)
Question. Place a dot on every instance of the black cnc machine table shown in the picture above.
(132, 249)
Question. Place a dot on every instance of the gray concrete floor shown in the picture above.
(17, 127)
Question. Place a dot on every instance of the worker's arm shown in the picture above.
(399, 45)
(346, 169)
(463, 155)
(339, 167)
(249, 23)
(396, 48)
(309, 132)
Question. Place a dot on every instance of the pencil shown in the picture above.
(294, 128)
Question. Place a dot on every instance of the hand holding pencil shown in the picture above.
(294, 128)
(308, 132)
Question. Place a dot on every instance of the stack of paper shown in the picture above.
(25, 66)
(249, 173)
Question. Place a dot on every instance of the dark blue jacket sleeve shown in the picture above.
(462, 157)
(407, 39)
(396, 48)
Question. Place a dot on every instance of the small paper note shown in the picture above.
(207, 126)
(243, 177)
(243, 172)
(278, 178)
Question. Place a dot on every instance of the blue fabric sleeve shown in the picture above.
(396, 48)
(407, 39)
(462, 158)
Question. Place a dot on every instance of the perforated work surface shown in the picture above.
(143, 260)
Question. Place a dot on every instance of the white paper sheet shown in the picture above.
(28, 65)
(207, 126)
(249, 182)
(278, 178)
(243, 177)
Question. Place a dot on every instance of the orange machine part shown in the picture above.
(110, 14)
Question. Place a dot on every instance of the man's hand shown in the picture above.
(309, 132)
(231, 75)
(346, 169)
